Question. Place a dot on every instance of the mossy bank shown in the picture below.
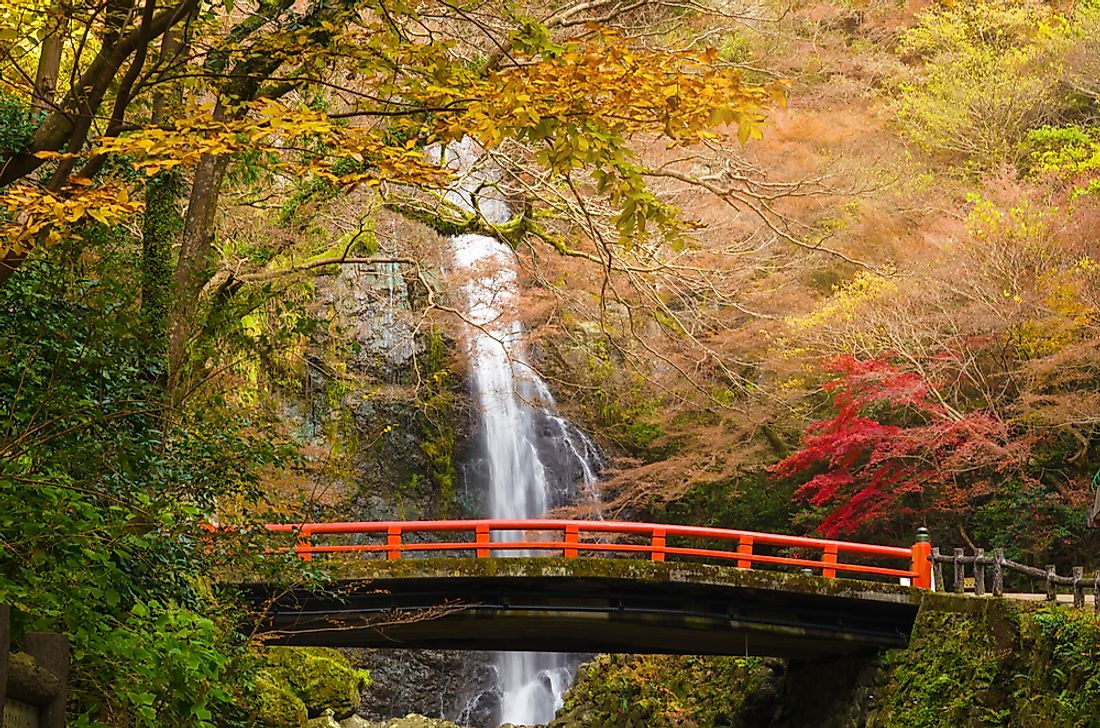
(971, 663)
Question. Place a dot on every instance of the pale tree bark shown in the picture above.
(1094, 512)
(49, 62)
(193, 266)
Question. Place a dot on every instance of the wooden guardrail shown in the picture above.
(746, 549)
(995, 567)
(34, 682)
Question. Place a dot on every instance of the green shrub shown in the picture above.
(989, 75)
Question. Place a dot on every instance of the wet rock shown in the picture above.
(433, 683)
(326, 720)
(412, 720)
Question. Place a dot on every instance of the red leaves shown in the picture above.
(894, 452)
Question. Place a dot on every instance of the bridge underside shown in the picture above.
(588, 605)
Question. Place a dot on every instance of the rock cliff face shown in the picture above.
(971, 663)
(429, 682)
(383, 398)
(381, 394)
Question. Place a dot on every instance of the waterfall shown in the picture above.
(517, 420)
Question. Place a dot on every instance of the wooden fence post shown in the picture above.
(304, 548)
(960, 572)
(1079, 587)
(979, 572)
(5, 645)
(937, 570)
(483, 538)
(572, 539)
(1052, 588)
(52, 652)
(998, 572)
(744, 546)
(393, 543)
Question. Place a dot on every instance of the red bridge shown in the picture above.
(594, 586)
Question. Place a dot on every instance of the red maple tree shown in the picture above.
(895, 452)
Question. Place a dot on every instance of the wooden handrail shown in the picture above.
(656, 537)
(958, 560)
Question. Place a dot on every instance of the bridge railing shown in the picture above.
(570, 539)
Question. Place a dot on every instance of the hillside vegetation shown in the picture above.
(814, 267)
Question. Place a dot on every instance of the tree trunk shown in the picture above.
(192, 269)
(1094, 512)
(49, 62)
(162, 225)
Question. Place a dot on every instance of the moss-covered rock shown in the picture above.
(276, 705)
(320, 677)
(662, 691)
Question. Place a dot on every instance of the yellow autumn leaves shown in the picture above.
(578, 105)
(34, 212)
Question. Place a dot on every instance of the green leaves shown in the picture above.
(102, 499)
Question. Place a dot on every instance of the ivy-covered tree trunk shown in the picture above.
(162, 226)
(163, 222)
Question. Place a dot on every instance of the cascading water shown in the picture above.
(516, 420)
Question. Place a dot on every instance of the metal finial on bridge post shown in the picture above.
(920, 559)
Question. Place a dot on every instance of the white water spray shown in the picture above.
(510, 396)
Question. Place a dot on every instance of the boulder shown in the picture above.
(325, 720)
(412, 720)
(276, 705)
(321, 677)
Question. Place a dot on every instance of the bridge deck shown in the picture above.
(588, 605)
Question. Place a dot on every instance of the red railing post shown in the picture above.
(393, 541)
(572, 533)
(829, 557)
(482, 537)
(657, 545)
(744, 546)
(304, 548)
(921, 563)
